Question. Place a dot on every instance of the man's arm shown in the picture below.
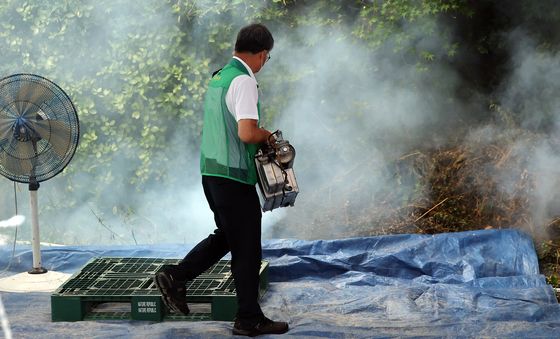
(249, 132)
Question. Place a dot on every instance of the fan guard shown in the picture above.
(39, 128)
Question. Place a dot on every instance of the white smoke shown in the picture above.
(14, 221)
(531, 92)
(352, 113)
(527, 131)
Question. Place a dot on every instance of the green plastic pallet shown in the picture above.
(123, 289)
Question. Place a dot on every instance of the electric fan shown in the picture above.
(39, 132)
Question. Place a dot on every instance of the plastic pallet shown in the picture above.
(126, 284)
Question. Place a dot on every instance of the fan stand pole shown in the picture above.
(35, 242)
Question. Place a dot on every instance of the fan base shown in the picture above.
(24, 282)
(38, 270)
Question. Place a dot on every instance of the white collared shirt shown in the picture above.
(242, 95)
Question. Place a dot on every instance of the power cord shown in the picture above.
(16, 234)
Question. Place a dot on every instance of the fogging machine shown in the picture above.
(277, 182)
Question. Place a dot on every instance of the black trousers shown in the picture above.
(237, 215)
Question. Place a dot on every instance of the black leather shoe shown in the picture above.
(173, 292)
(265, 326)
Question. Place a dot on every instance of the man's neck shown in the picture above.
(249, 59)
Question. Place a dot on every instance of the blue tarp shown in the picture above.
(482, 283)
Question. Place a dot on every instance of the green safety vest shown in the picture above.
(222, 153)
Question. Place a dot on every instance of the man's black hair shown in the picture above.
(254, 38)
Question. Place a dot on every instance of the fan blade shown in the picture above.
(7, 120)
(9, 111)
(5, 129)
(6, 95)
(12, 162)
(10, 165)
(24, 151)
(28, 111)
(56, 133)
(31, 96)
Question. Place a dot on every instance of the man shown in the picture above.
(230, 139)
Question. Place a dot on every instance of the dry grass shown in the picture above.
(461, 188)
